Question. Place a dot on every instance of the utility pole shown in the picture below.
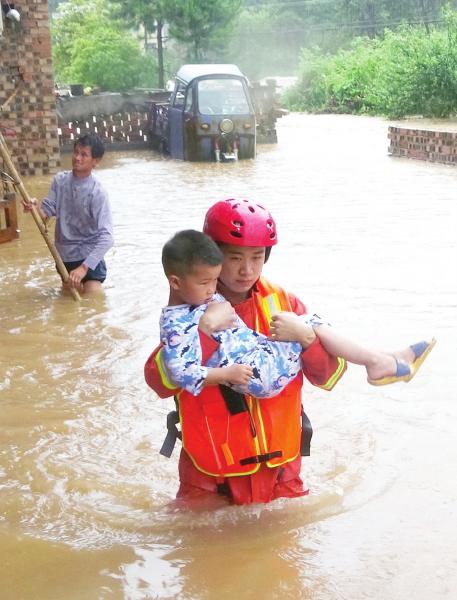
(160, 53)
(424, 16)
(371, 17)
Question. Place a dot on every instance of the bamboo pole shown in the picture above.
(18, 184)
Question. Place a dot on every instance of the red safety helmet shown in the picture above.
(241, 223)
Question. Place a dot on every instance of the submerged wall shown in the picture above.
(434, 146)
(27, 102)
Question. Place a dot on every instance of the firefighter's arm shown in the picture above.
(319, 367)
(156, 376)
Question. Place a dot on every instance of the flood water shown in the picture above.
(366, 240)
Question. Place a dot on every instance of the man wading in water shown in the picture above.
(84, 230)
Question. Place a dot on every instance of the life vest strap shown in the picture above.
(260, 458)
(173, 434)
(306, 434)
(234, 401)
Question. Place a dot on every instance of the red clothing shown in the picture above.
(263, 486)
(267, 483)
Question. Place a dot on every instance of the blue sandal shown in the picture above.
(404, 371)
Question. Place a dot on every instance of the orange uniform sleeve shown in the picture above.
(319, 367)
(155, 373)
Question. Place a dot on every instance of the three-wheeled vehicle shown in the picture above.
(210, 115)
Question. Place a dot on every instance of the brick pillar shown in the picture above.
(27, 102)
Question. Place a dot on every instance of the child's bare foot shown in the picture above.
(407, 363)
(382, 365)
(406, 355)
(386, 365)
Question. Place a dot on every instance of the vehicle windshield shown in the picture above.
(222, 97)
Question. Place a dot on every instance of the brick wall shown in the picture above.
(27, 103)
(434, 146)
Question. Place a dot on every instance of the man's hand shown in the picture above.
(75, 276)
(288, 327)
(28, 206)
(218, 316)
(238, 374)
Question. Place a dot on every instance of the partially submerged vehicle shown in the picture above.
(210, 115)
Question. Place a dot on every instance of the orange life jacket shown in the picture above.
(268, 430)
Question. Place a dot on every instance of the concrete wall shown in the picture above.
(434, 146)
(27, 103)
(119, 119)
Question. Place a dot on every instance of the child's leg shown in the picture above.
(289, 326)
(274, 365)
(378, 364)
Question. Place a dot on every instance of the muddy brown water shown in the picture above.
(366, 240)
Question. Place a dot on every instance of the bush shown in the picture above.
(408, 72)
(90, 48)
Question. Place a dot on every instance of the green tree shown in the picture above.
(198, 23)
(91, 48)
(291, 25)
(148, 14)
(108, 60)
(418, 73)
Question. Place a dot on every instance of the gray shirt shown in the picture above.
(84, 229)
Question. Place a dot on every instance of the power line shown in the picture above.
(360, 25)
(286, 3)
(253, 4)
(275, 4)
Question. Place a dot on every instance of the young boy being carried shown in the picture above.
(84, 230)
(247, 361)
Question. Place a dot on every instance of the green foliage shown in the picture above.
(89, 47)
(310, 93)
(108, 60)
(402, 70)
(198, 23)
(337, 83)
(269, 34)
(408, 72)
(418, 74)
(139, 12)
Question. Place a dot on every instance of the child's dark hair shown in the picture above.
(187, 249)
(92, 141)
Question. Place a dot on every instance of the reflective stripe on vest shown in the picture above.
(271, 306)
(166, 382)
(332, 380)
(269, 301)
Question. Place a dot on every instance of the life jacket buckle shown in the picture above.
(260, 458)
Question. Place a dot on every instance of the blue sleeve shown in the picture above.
(101, 213)
(49, 204)
(182, 352)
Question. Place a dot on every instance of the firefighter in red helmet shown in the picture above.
(246, 448)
